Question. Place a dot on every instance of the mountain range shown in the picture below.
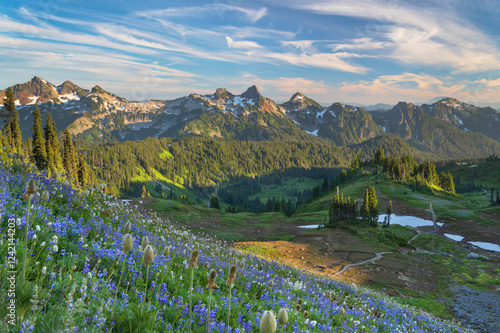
(447, 127)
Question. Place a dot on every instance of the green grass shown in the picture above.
(474, 273)
(227, 226)
(429, 304)
(287, 189)
(486, 173)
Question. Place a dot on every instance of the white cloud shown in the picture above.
(321, 60)
(305, 46)
(364, 43)
(406, 86)
(252, 15)
(421, 35)
(231, 43)
(290, 85)
(54, 34)
(152, 40)
(256, 32)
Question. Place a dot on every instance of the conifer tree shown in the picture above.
(82, 171)
(69, 158)
(379, 157)
(389, 212)
(214, 202)
(39, 151)
(54, 161)
(372, 203)
(2, 139)
(324, 187)
(15, 137)
(451, 184)
(365, 208)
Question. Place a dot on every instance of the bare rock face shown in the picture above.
(35, 90)
(69, 87)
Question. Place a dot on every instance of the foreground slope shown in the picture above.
(77, 278)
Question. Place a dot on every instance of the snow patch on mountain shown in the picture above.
(33, 99)
(315, 132)
(69, 97)
(320, 114)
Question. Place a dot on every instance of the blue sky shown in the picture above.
(354, 51)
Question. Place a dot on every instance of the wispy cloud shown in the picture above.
(321, 60)
(256, 32)
(290, 85)
(219, 9)
(364, 43)
(305, 46)
(417, 87)
(231, 43)
(422, 35)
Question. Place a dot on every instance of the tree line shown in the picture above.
(43, 148)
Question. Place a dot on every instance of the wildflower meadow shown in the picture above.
(84, 261)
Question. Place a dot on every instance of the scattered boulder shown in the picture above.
(472, 255)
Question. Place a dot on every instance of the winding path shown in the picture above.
(378, 256)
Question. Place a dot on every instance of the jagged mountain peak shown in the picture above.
(297, 97)
(404, 106)
(300, 101)
(37, 79)
(36, 90)
(68, 87)
(252, 93)
(222, 93)
(98, 89)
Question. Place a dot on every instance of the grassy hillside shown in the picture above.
(73, 272)
(484, 173)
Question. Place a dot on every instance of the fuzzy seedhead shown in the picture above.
(306, 314)
(270, 284)
(45, 196)
(298, 307)
(194, 258)
(300, 301)
(268, 322)
(127, 244)
(282, 317)
(55, 175)
(231, 275)
(166, 251)
(31, 187)
(144, 242)
(148, 256)
(127, 228)
(211, 280)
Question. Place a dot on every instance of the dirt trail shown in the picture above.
(378, 256)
